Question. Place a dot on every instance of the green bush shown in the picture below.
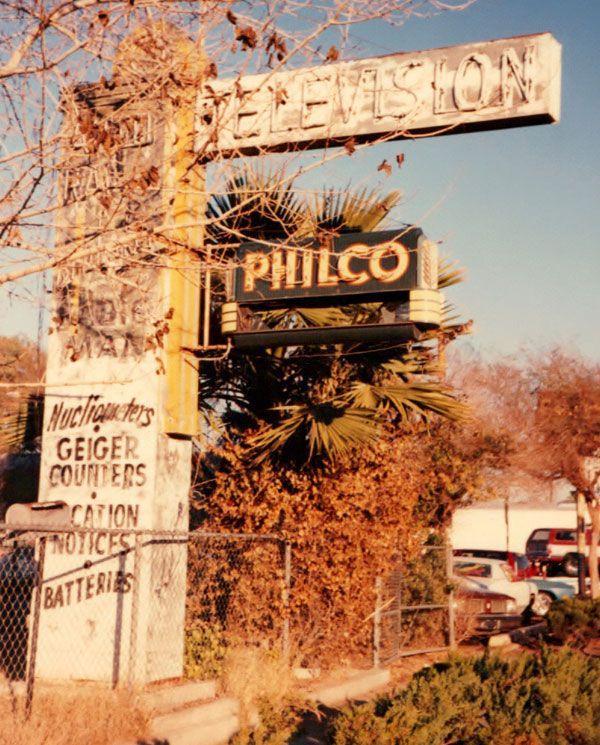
(574, 620)
(277, 725)
(551, 699)
(204, 651)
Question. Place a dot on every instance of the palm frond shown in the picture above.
(272, 438)
(330, 429)
(304, 317)
(423, 399)
(341, 431)
(449, 273)
(257, 204)
(347, 211)
(297, 406)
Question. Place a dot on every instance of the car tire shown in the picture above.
(541, 603)
(570, 565)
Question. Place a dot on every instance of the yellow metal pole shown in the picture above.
(185, 203)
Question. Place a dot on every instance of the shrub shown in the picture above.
(277, 725)
(553, 699)
(204, 650)
(574, 620)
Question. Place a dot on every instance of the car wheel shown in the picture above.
(541, 603)
(570, 565)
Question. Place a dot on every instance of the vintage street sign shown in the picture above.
(488, 85)
(344, 265)
(396, 270)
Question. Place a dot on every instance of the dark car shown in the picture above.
(519, 563)
(479, 611)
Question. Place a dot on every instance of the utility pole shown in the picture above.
(581, 543)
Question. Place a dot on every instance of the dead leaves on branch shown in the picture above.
(386, 167)
(332, 55)
(277, 47)
(349, 523)
(147, 179)
(247, 37)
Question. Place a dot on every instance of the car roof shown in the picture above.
(587, 527)
(465, 551)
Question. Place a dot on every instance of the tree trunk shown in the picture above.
(594, 510)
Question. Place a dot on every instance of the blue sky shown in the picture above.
(516, 208)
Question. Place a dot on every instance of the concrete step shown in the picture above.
(208, 724)
(169, 698)
(353, 688)
(214, 722)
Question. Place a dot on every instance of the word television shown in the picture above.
(488, 85)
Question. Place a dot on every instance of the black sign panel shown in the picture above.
(396, 333)
(335, 266)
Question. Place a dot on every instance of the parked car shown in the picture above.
(487, 611)
(554, 550)
(550, 590)
(493, 575)
(519, 563)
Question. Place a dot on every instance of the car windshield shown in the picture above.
(540, 535)
(472, 569)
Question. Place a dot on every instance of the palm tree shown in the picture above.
(308, 403)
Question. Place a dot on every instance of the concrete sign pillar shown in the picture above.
(121, 388)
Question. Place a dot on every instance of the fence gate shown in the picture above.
(414, 612)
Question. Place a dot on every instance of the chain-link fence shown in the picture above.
(17, 579)
(415, 607)
(238, 589)
(110, 605)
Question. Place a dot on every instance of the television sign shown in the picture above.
(472, 87)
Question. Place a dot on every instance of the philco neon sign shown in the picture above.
(365, 264)
(398, 268)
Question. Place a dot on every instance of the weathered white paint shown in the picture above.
(493, 84)
(118, 476)
(104, 449)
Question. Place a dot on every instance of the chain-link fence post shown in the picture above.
(35, 627)
(135, 608)
(287, 578)
(451, 608)
(377, 622)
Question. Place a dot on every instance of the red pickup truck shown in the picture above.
(555, 549)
